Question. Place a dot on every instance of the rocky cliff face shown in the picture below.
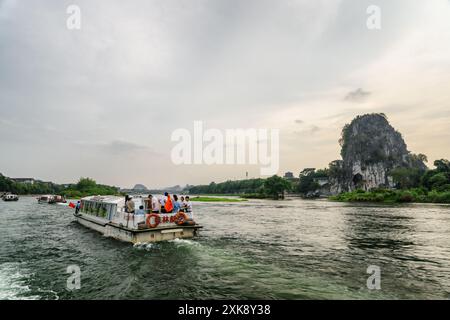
(371, 149)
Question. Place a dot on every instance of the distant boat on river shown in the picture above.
(10, 197)
(51, 199)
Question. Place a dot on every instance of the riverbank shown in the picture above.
(394, 196)
(215, 199)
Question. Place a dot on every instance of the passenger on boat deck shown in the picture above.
(156, 206)
(176, 204)
(127, 197)
(188, 208)
(183, 203)
(148, 202)
(140, 211)
(77, 207)
(168, 206)
(129, 205)
(163, 200)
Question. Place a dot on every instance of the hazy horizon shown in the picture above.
(102, 101)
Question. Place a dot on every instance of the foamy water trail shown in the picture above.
(184, 242)
(13, 283)
(146, 246)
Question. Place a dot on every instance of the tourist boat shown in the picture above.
(51, 199)
(10, 197)
(106, 214)
(57, 199)
(44, 199)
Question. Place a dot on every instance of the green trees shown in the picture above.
(308, 180)
(5, 184)
(85, 184)
(439, 178)
(275, 186)
(442, 165)
(406, 178)
(417, 185)
(229, 187)
(38, 187)
(436, 179)
(89, 187)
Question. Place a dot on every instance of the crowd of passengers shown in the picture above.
(165, 205)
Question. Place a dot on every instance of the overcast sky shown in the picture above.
(103, 101)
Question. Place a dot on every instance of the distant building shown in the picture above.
(23, 180)
(289, 175)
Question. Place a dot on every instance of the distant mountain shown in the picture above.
(140, 187)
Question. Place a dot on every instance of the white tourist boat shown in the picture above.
(106, 214)
(44, 198)
(10, 197)
(51, 199)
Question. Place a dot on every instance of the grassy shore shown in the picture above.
(394, 196)
(216, 199)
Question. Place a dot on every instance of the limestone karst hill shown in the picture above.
(371, 149)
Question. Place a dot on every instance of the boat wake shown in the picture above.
(13, 283)
(146, 246)
(184, 242)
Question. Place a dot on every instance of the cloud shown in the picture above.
(359, 95)
(310, 130)
(138, 70)
(117, 148)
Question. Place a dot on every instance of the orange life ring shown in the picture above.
(181, 218)
(156, 223)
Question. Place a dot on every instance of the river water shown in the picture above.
(295, 249)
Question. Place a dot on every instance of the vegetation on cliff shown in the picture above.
(371, 151)
(432, 186)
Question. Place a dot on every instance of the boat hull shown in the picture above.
(122, 233)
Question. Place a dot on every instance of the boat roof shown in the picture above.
(104, 199)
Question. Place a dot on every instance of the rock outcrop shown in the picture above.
(139, 187)
(371, 149)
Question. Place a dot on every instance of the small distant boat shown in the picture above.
(10, 197)
(51, 199)
(44, 199)
(106, 215)
(57, 199)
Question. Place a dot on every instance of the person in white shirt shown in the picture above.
(156, 206)
(183, 202)
(188, 208)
